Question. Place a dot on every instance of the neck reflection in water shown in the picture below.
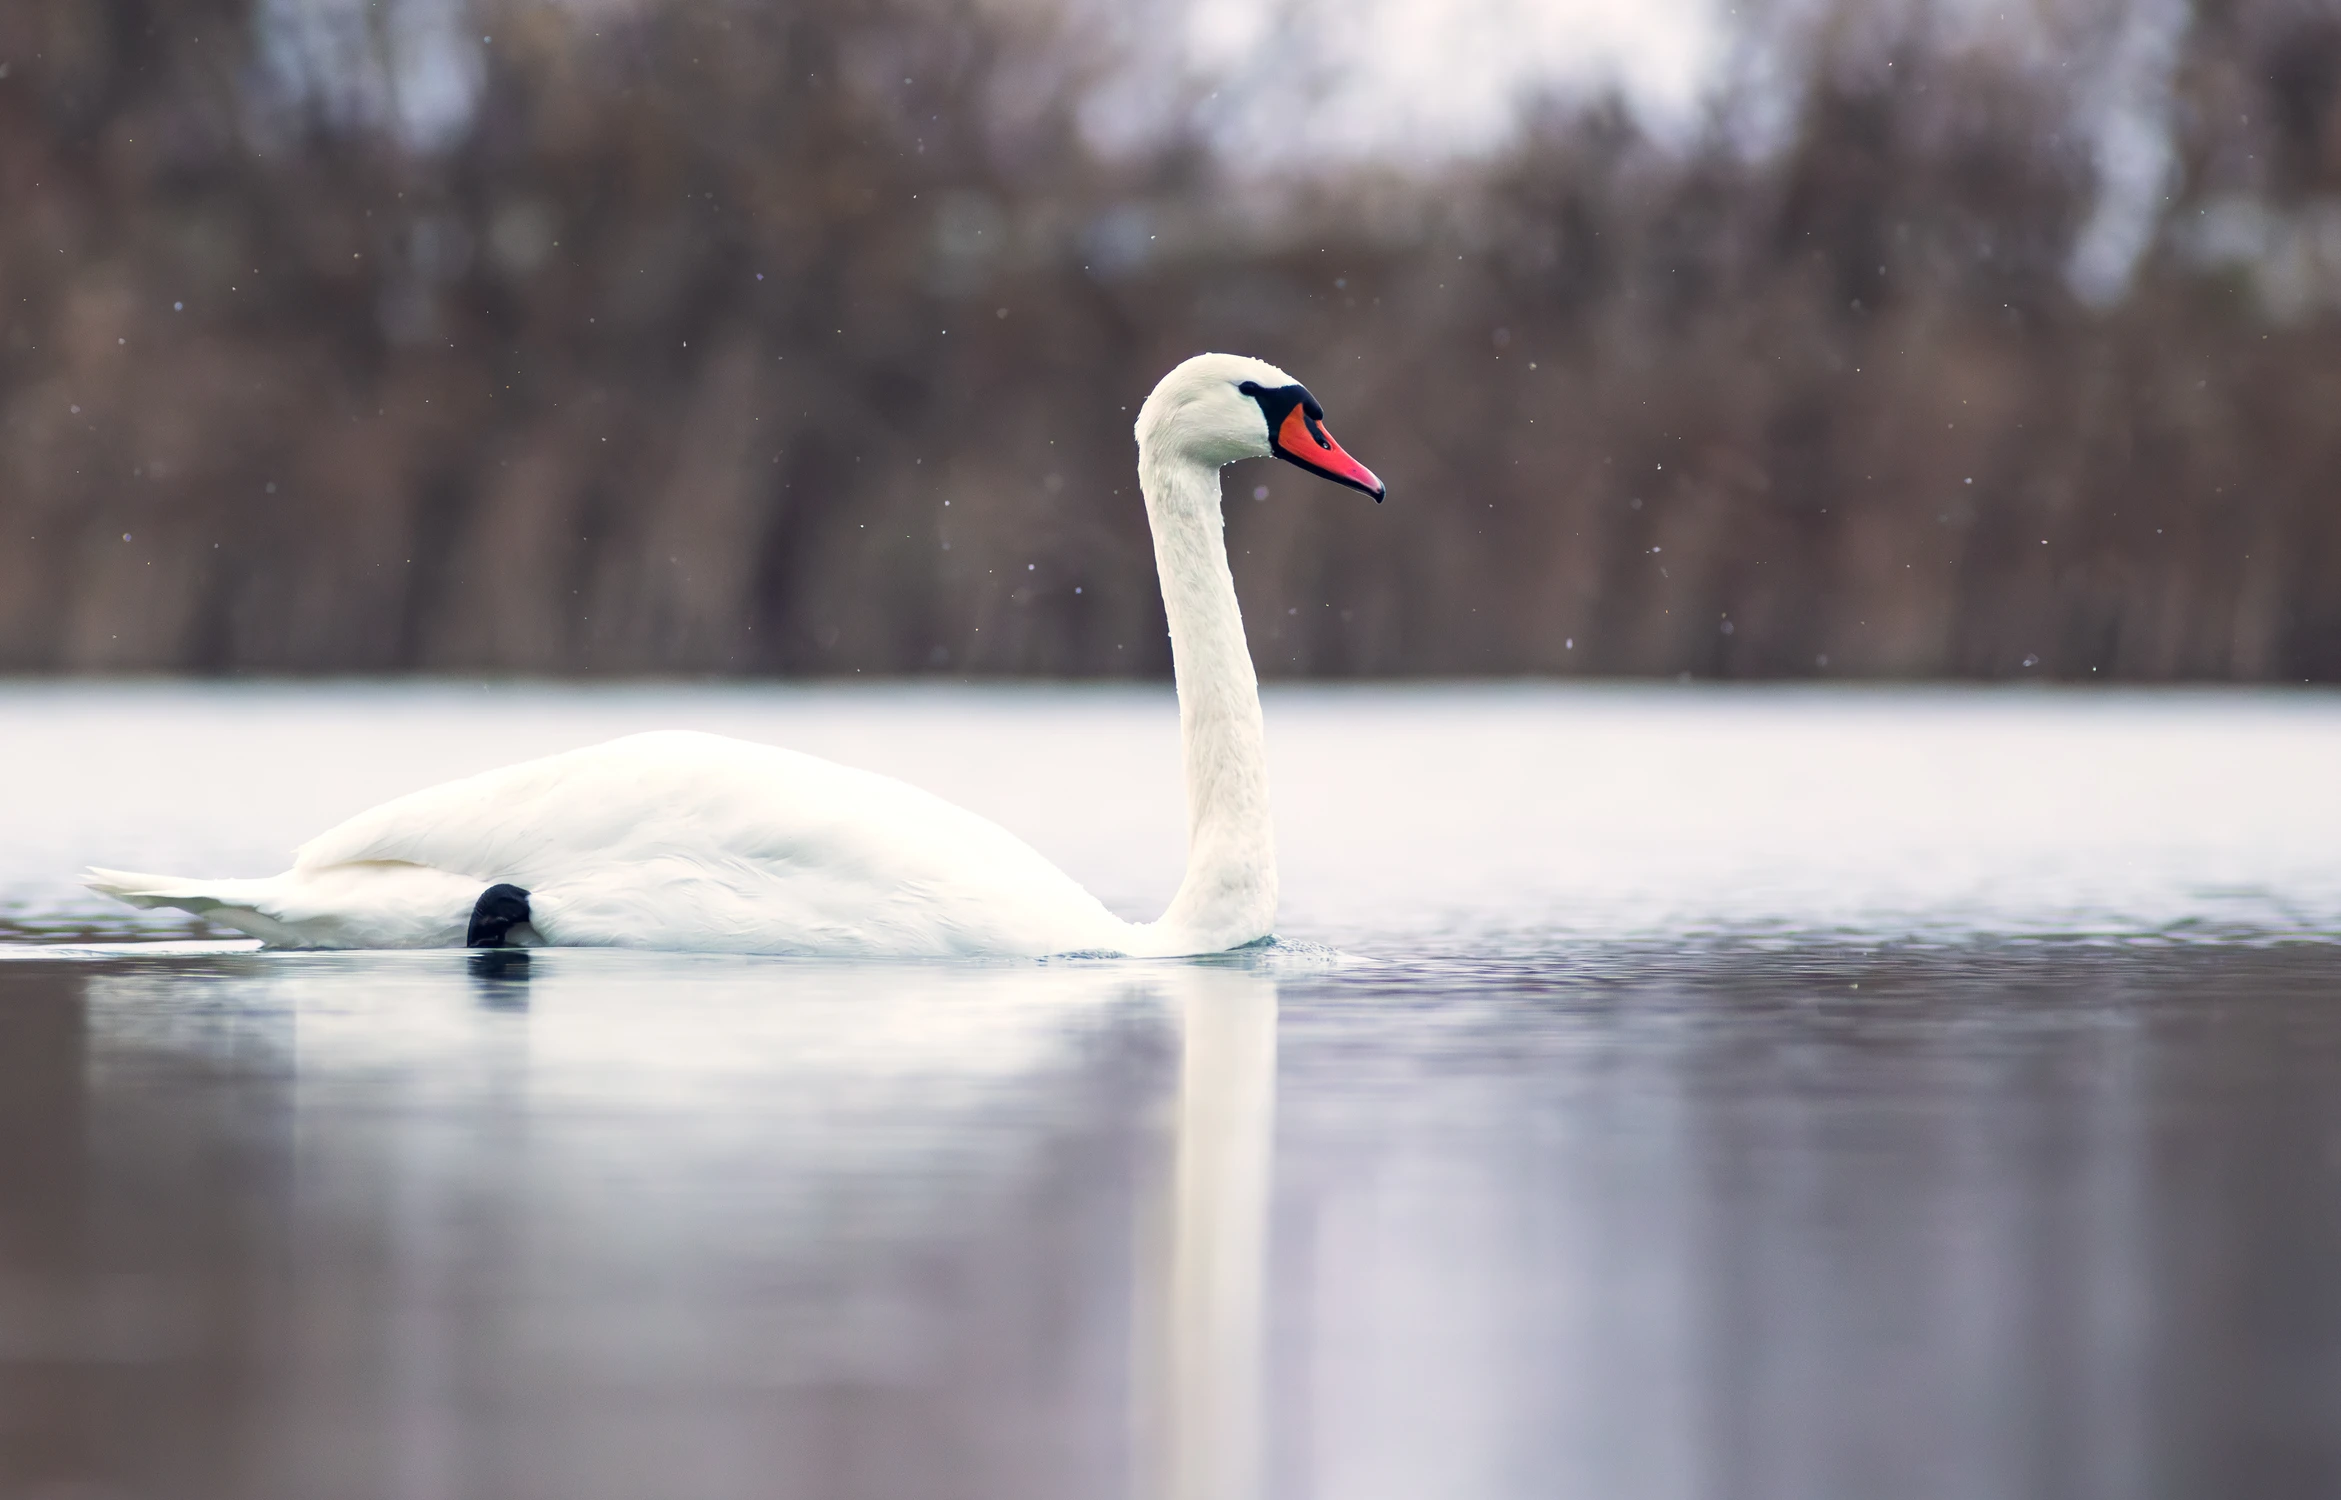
(1203, 1272)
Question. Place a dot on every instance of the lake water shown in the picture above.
(1655, 1092)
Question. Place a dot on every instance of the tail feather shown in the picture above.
(160, 890)
(364, 905)
(241, 905)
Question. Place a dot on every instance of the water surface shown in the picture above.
(1656, 1092)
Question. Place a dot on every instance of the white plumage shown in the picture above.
(694, 841)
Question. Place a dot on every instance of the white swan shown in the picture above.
(693, 841)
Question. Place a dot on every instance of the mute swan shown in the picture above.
(694, 841)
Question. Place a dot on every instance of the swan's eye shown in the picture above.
(1277, 403)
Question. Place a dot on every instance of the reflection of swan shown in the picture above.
(678, 840)
(1201, 1362)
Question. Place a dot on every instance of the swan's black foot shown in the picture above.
(499, 909)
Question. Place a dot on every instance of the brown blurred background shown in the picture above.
(707, 337)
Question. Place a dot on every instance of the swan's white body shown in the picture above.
(693, 841)
(674, 840)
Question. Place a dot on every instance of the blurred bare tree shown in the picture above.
(682, 335)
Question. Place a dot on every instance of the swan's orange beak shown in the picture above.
(1302, 439)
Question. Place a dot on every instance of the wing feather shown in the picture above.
(751, 836)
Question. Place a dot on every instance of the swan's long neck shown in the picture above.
(1229, 895)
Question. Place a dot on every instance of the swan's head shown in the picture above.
(1217, 408)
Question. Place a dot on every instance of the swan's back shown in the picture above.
(732, 845)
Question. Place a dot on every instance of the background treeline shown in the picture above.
(804, 337)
